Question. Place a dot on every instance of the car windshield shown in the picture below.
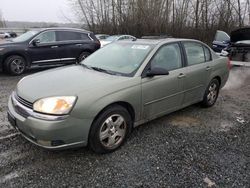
(26, 36)
(119, 58)
(112, 38)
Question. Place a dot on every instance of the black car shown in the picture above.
(12, 34)
(46, 47)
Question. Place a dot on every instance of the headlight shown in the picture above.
(55, 105)
(1, 49)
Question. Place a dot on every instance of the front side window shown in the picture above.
(194, 52)
(47, 37)
(168, 58)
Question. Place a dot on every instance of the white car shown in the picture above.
(4, 35)
(116, 38)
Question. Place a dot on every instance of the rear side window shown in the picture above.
(168, 58)
(69, 36)
(195, 53)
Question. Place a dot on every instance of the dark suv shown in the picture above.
(46, 47)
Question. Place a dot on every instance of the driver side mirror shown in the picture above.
(35, 42)
(156, 72)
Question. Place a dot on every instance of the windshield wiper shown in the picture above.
(102, 70)
(86, 66)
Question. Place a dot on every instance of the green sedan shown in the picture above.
(98, 102)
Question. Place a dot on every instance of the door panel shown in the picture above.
(162, 94)
(195, 83)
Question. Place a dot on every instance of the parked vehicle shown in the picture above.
(121, 86)
(46, 47)
(4, 35)
(237, 46)
(155, 37)
(12, 34)
(102, 36)
(115, 38)
(221, 41)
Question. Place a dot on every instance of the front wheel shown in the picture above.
(110, 130)
(15, 65)
(211, 93)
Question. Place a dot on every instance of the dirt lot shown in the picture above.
(194, 147)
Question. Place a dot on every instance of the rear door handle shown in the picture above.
(54, 46)
(181, 76)
(78, 44)
(208, 68)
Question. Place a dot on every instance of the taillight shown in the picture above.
(229, 65)
(99, 43)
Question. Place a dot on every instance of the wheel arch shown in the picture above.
(125, 105)
(18, 54)
(217, 78)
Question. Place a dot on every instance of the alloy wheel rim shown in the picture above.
(84, 57)
(213, 92)
(113, 131)
(17, 66)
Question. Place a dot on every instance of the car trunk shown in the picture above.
(240, 45)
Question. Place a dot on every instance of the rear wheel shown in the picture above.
(211, 93)
(15, 65)
(83, 56)
(110, 130)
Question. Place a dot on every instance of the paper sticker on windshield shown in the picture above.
(140, 47)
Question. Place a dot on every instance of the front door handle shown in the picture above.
(181, 76)
(208, 68)
(54, 46)
(78, 44)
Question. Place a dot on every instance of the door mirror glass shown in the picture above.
(156, 71)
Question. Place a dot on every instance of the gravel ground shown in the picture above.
(193, 147)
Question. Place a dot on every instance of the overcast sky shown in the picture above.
(36, 10)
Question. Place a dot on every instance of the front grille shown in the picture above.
(23, 101)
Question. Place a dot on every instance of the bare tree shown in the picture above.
(180, 18)
(2, 21)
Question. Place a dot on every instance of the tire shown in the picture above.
(211, 94)
(83, 56)
(113, 125)
(15, 65)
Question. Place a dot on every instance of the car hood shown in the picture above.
(70, 81)
(6, 43)
(242, 34)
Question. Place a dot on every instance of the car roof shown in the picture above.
(158, 41)
(60, 29)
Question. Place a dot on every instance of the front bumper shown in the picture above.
(61, 134)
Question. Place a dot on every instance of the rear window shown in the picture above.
(69, 36)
